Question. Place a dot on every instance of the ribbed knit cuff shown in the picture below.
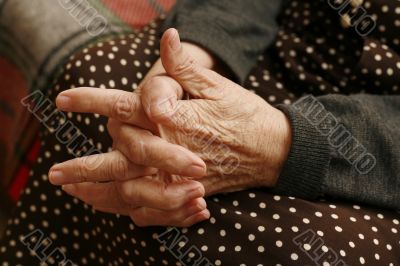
(213, 38)
(308, 160)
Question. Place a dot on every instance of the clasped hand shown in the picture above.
(169, 152)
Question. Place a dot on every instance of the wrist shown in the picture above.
(285, 142)
(278, 134)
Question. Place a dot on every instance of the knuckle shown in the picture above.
(185, 67)
(173, 159)
(119, 169)
(124, 107)
(82, 170)
(137, 151)
(126, 192)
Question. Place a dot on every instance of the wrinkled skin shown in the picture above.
(169, 153)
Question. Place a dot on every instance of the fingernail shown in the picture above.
(207, 214)
(174, 41)
(196, 170)
(203, 215)
(201, 204)
(195, 192)
(56, 176)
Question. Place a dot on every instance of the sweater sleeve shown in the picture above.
(235, 31)
(345, 147)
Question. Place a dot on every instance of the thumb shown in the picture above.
(196, 80)
(159, 97)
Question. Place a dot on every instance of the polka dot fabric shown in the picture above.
(252, 227)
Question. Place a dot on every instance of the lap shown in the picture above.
(251, 227)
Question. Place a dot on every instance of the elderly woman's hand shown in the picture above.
(161, 142)
(243, 140)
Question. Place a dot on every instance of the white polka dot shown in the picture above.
(294, 256)
(318, 214)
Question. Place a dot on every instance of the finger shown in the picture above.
(155, 193)
(121, 105)
(143, 148)
(161, 100)
(120, 211)
(192, 207)
(159, 97)
(196, 80)
(139, 192)
(105, 195)
(111, 166)
(193, 212)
